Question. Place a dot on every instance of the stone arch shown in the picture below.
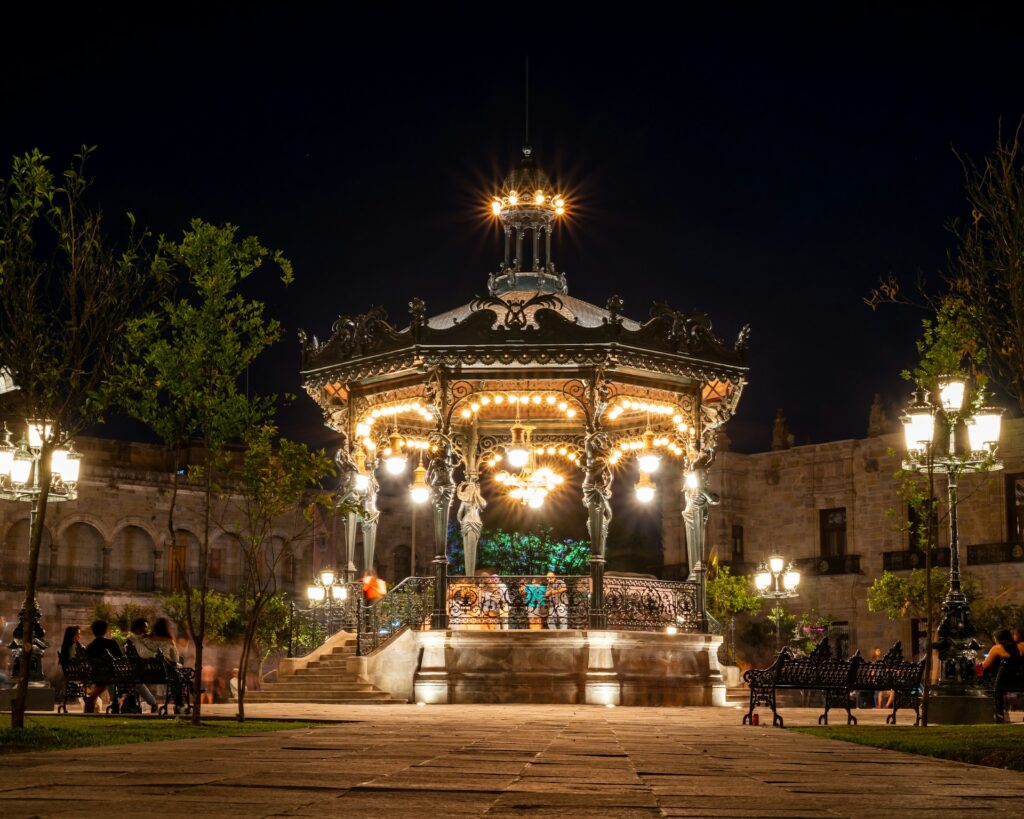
(14, 558)
(82, 517)
(79, 556)
(131, 557)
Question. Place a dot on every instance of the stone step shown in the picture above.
(264, 696)
(304, 685)
(331, 702)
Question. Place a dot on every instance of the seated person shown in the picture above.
(71, 647)
(137, 639)
(1005, 648)
(100, 648)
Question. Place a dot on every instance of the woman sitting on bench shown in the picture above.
(1005, 648)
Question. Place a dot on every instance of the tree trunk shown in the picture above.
(27, 619)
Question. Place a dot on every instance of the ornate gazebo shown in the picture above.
(526, 383)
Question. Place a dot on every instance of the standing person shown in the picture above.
(557, 597)
(160, 639)
(137, 640)
(233, 685)
(534, 603)
(100, 648)
(500, 592)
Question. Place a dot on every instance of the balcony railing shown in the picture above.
(843, 564)
(908, 559)
(995, 553)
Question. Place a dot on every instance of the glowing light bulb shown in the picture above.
(517, 457)
(644, 488)
(649, 462)
(513, 198)
(559, 211)
(539, 198)
(559, 202)
(495, 207)
(362, 482)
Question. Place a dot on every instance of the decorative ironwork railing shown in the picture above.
(639, 604)
(842, 564)
(995, 553)
(309, 627)
(407, 605)
(518, 602)
(913, 559)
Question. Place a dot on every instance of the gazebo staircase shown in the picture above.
(325, 678)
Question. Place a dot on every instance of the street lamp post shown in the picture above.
(324, 593)
(954, 437)
(774, 582)
(20, 481)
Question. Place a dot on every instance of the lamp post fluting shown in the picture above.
(777, 581)
(959, 434)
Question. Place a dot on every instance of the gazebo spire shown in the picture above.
(527, 205)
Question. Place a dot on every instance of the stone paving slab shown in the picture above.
(495, 760)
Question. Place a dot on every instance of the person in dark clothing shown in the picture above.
(100, 647)
(1005, 648)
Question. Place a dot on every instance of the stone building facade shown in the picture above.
(111, 544)
(834, 509)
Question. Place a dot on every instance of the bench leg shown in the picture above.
(850, 718)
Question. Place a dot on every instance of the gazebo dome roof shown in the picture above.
(576, 310)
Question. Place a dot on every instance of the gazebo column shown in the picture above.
(471, 504)
(508, 247)
(536, 248)
(442, 483)
(597, 492)
(547, 249)
(519, 248)
(351, 525)
(370, 517)
(697, 502)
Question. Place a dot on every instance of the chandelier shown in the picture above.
(531, 486)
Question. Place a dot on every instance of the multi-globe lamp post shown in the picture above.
(20, 481)
(325, 593)
(777, 581)
(958, 434)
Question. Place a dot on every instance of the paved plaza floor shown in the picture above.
(478, 760)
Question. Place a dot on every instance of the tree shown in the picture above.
(223, 621)
(194, 352)
(728, 596)
(67, 295)
(273, 491)
(902, 596)
(976, 308)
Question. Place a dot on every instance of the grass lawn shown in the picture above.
(998, 746)
(51, 733)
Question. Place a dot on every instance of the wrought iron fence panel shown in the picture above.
(311, 626)
(518, 602)
(639, 604)
(407, 605)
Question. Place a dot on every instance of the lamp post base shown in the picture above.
(975, 707)
(39, 697)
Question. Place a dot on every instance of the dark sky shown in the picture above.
(769, 175)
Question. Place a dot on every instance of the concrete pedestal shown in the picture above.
(39, 698)
(960, 709)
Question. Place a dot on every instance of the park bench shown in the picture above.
(121, 675)
(1009, 680)
(836, 679)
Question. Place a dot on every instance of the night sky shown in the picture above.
(747, 174)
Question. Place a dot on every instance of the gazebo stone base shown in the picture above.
(570, 667)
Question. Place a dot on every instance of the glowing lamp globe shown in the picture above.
(776, 563)
(21, 466)
(419, 490)
(649, 462)
(984, 429)
(644, 488)
(316, 594)
(762, 578)
(918, 426)
(951, 392)
(362, 482)
(327, 577)
(791, 579)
